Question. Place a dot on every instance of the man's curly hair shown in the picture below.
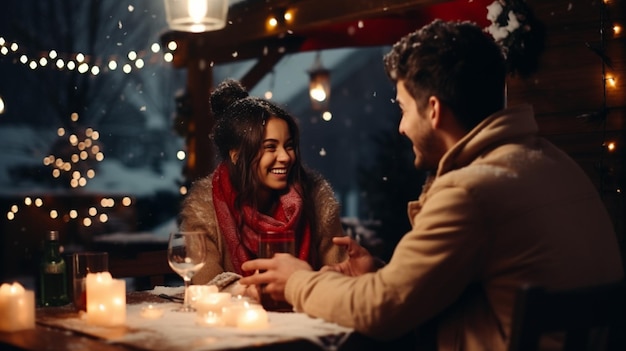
(454, 61)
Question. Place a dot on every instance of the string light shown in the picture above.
(608, 81)
(279, 18)
(617, 30)
(611, 81)
(288, 16)
(82, 61)
(611, 146)
(72, 214)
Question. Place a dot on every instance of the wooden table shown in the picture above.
(51, 334)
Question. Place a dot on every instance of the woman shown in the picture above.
(260, 185)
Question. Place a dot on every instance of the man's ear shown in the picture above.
(234, 155)
(434, 111)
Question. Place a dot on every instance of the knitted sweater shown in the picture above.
(198, 214)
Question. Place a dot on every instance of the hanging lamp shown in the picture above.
(196, 16)
(319, 85)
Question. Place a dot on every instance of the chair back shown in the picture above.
(577, 313)
(149, 268)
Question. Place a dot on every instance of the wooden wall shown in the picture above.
(570, 85)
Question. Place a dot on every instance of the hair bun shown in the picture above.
(227, 92)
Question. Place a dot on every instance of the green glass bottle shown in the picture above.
(53, 273)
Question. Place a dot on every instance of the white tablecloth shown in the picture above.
(179, 331)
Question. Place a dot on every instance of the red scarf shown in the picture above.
(288, 215)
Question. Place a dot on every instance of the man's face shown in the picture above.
(416, 126)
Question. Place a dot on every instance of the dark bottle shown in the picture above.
(53, 273)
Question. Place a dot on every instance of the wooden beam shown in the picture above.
(247, 30)
(248, 20)
(263, 66)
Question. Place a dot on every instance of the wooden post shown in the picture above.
(201, 156)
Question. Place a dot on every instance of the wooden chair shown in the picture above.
(577, 313)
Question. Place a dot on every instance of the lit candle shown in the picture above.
(197, 292)
(210, 319)
(106, 300)
(252, 318)
(212, 302)
(17, 308)
(151, 312)
(232, 311)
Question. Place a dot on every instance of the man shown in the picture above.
(503, 207)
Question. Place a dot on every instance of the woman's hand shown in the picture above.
(275, 273)
(359, 260)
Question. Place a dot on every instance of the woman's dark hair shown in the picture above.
(240, 121)
(456, 62)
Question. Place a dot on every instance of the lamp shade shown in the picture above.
(196, 15)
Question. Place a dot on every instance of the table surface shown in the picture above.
(61, 328)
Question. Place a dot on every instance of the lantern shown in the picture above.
(319, 85)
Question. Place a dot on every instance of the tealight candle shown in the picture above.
(106, 300)
(210, 319)
(197, 292)
(230, 314)
(232, 311)
(17, 308)
(151, 312)
(212, 302)
(252, 318)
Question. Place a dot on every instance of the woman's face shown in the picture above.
(278, 155)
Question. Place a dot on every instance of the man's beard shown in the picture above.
(431, 149)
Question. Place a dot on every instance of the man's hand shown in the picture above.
(359, 260)
(276, 272)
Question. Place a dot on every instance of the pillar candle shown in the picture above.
(17, 308)
(106, 300)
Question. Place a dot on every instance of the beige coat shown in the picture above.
(198, 214)
(506, 207)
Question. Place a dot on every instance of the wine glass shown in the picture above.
(186, 252)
